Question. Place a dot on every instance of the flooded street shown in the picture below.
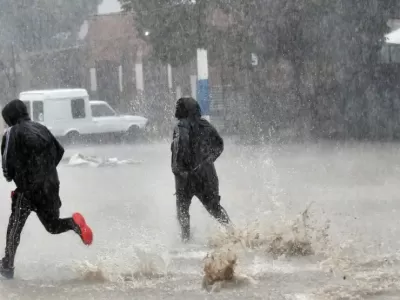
(137, 252)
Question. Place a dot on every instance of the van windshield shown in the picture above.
(101, 110)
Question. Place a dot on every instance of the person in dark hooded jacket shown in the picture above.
(30, 155)
(195, 147)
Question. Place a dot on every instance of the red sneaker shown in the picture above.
(85, 231)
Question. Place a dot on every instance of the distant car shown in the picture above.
(109, 121)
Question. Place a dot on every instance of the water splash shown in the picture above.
(220, 271)
(298, 237)
(89, 272)
(145, 266)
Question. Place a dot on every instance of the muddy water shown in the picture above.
(344, 247)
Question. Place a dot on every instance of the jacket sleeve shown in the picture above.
(8, 154)
(217, 145)
(59, 150)
(181, 148)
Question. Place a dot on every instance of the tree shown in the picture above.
(354, 37)
(328, 51)
(333, 51)
(177, 28)
(35, 25)
(31, 30)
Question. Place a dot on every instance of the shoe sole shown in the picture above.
(86, 231)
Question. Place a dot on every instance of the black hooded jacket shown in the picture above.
(196, 144)
(30, 153)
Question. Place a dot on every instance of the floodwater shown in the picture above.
(345, 246)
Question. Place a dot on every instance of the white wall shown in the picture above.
(393, 37)
(109, 6)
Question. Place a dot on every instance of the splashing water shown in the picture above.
(298, 237)
(356, 275)
(219, 266)
(147, 266)
(90, 272)
(220, 271)
(226, 267)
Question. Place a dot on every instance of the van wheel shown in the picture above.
(72, 137)
(132, 133)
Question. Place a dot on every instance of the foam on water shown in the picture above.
(144, 267)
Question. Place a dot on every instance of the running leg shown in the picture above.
(20, 211)
(182, 207)
(51, 220)
(211, 201)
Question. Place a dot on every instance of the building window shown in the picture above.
(78, 109)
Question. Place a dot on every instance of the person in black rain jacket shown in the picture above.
(30, 155)
(195, 147)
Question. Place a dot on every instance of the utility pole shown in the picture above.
(203, 92)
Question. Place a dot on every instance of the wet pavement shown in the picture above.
(137, 252)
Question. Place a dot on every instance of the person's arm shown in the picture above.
(8, 154)
(217, 145)
(216, 148)
(59, 151)
(181, 149)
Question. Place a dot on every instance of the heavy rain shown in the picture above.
(303, 101)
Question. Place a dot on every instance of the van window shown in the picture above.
(38, 111)
(78, 108)
(101, 110)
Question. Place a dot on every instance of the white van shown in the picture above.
(66, 112)
(69, 113)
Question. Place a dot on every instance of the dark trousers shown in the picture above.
(208, 196)
(21, 208)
